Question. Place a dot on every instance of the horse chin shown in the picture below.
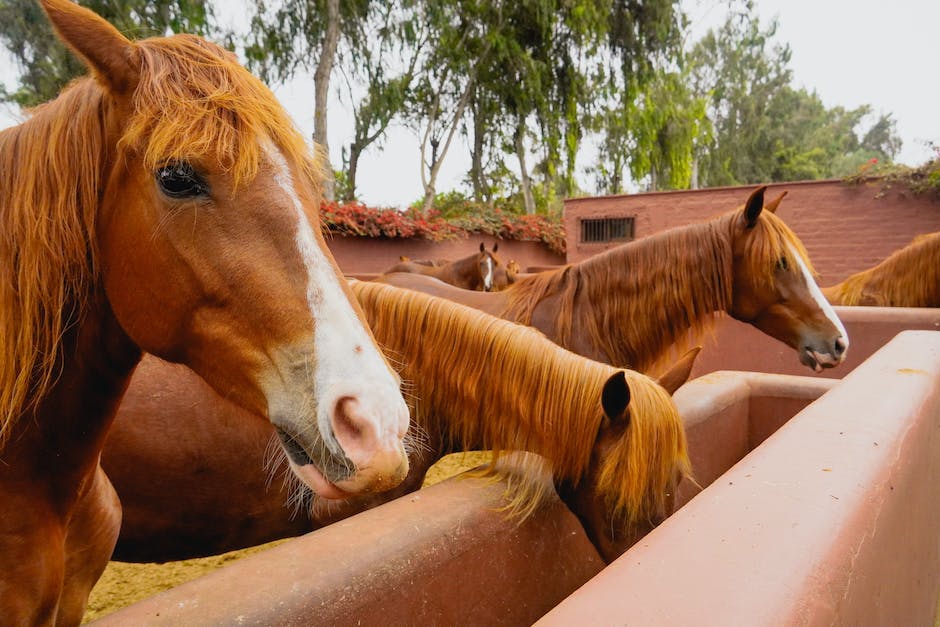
(818, 361)
(304, 469)
(317, 481)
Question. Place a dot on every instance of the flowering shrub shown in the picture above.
(924, 179)
(354, 218)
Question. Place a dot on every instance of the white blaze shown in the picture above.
(345, 352)
(817, 295)
(488, 277)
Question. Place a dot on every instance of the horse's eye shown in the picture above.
(783, 264)
(179, 180)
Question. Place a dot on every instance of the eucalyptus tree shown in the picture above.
(740, 69)
(639, 109)
(654, 136)
(46, 65)
(304, 35)
(462, 33)
(378, 81)
(764, 128)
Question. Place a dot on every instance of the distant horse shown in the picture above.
(513, 270)
(191, 485)
(480, 271)
(434, 263)
(909, 277)
(628, 305)
(165, 204)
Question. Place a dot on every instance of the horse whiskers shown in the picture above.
(417, 440)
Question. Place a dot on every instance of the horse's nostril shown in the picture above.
(839, 346)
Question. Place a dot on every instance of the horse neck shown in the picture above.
(910, 277)
(489, 414)
(630, 304)
(463, 272)
(490, 384)
(64, 433)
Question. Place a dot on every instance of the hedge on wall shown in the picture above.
(357, 219)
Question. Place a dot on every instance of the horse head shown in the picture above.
(210, 252)
(492, 271)
(512, 271)
(638, 460)
(774, 288)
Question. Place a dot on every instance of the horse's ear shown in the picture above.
(111, 57)
(679, 373)
(495, 246)
(403, 258)
(773, 204)
(482, 247)
(755, 204)
(616, 396)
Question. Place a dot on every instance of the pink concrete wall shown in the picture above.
(367, 255)
(846, 228)
(832, 521)
(733, 345)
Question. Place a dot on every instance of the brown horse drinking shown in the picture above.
(628, 305)
(164, 204)
(909, 277)
(612, 437)
(480, 271)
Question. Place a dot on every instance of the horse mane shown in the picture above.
(909, 277)
(686, 269)
(54, 166)
(503, 387)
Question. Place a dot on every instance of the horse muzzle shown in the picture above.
(828, 357)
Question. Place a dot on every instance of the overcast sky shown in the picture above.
(850, 52)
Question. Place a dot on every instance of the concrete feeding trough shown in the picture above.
(828, 516)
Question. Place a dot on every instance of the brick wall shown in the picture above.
(846, 228)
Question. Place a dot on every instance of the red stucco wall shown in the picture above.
(367, 255)
(846, 228)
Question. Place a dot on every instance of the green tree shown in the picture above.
(379, 84)
(45, 63)
(294, 35)
(740, 70)
(764, 128)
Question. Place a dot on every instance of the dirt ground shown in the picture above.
(123, 583)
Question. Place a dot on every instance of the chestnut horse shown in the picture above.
(628, 305)
(613, 438)
(480, 271)
(909, 277)
(164, 204)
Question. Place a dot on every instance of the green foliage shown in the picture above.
(526, 83)
(765, 129)
(46, 65)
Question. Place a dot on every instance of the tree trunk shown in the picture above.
(321, 87)
(476, 154)
(526, 183)
(430, 187)
(354, 152)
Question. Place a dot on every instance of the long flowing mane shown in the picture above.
(503, 387)
(637, 299)
(192, 101)
(909, 277)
